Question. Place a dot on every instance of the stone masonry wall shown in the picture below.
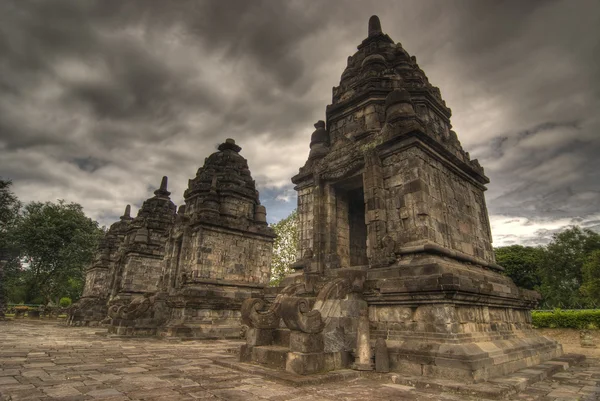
(305, 220)
(343, 230)
(430, 202)
(141, 274)
(223, 255)
(447, 322)
(96, 283)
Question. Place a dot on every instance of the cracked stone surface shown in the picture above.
(43, 360)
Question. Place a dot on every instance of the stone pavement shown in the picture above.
(42, 360)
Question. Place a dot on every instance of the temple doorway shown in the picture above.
(351, 226)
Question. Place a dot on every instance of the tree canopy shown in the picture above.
(566, 271)
(521, 263)
(56, 242)
(591, 277)
(284, 247)
(9, 216)
(45, 248)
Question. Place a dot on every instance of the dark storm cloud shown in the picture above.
(99, 99)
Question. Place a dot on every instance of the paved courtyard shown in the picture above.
(47, 361)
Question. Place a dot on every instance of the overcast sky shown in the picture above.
(100, 99)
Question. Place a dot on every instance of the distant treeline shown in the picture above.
(566, 271)
(44, 249)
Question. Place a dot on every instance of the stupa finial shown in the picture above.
(163, 187)
(374, 26)
(127, 214)
(229, 144)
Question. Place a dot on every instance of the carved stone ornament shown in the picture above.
(136, 308)
(384, 255)
(254, 315)
(112, 311)
(344, 170)
(297, 315)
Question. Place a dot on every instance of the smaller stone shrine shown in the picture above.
(139, 263)
(218, 253)
(92, 307)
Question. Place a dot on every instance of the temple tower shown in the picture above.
(218, 253)
(139, 264)
(393, 225)
(92, 306)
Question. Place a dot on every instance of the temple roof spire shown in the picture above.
(374, 26)
(229, 144)
(163, 188)
(127, 214)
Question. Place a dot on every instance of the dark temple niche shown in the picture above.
(394, 242)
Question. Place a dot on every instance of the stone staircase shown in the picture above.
(274, 355)
(305, 332)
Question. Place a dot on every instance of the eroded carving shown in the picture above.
(298, 315)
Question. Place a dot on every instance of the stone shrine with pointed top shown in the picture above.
(92, 307)
(139, 266)
(218, 253)
(395, 242)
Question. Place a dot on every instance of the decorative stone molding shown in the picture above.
(254, 315)
(136, 308)
(298, 315)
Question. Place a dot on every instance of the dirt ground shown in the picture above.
(569, 338)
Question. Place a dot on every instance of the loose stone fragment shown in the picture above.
(382, 359)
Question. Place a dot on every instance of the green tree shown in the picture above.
(521, 264)
(561, 270)
(284, 247)
(57, 242)
(591, 278)
(9, 216)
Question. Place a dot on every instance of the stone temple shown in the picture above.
(140, 259)
(128, 261)
(92, 306)
(395, 243)
(217, 254)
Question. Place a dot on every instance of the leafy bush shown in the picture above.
(574, 319)
(65, 302)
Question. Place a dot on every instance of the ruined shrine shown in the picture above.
(139, 264)
(92, 307)
(395, 242)
(218, 253)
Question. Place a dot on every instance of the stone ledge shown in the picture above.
(498, 388)
(286, 377)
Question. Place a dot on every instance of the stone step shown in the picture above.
(284, 377)
(497, 388)
(281, 337)
(273, 356)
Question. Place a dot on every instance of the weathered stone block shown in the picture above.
(256, 336)
(306, 342)
(304, 364)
